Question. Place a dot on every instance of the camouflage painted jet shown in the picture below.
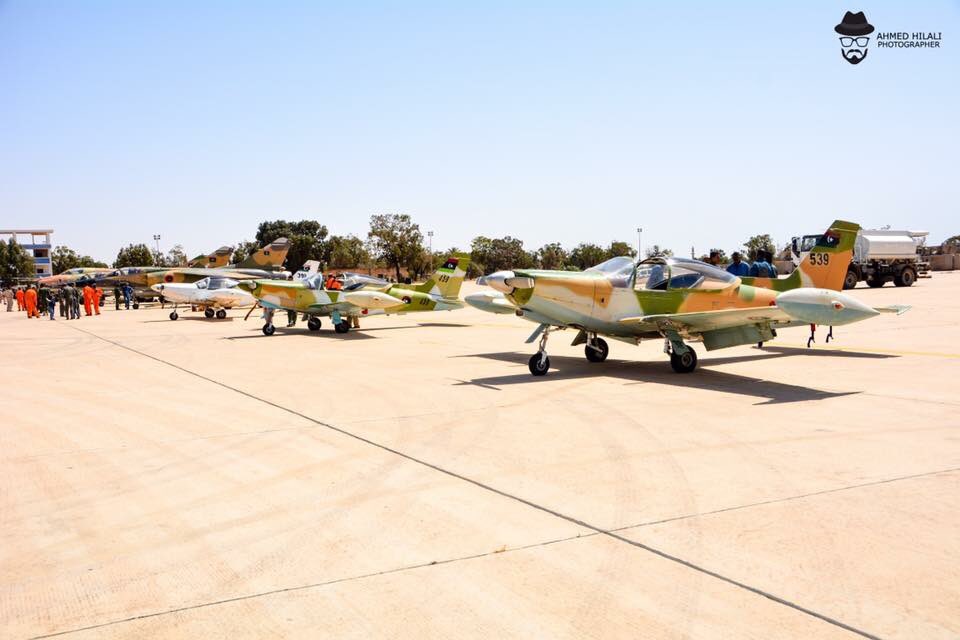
(677, 299)
(364, 296)
(77, 275)
(219, 258)
(265, 263)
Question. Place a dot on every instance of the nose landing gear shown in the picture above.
(597, 349)
(539, 362)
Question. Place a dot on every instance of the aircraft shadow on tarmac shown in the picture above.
(354, 334)
(571, 368)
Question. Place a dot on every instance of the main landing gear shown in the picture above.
(683, 359)
(208, 313)
(313, 323)
(597, 349)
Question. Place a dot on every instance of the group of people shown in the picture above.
(43, 300)
(762, 266)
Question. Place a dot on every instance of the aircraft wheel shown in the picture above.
(685, 363)
(136, 305)
(221, 314)
(268, 329)
(597, 356)
(173, 315)
(208, 312)
(313, 324)
(539, 364)
(342, 327)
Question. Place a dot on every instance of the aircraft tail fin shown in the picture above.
(824, 267)
(270, 257)
(445, 281)
(218, 258)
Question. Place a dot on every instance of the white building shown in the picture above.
(37, 243)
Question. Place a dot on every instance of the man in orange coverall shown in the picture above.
(30, 298)
(97, 293)
(87, 298)
(20, 306)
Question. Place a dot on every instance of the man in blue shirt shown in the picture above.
(738, 267)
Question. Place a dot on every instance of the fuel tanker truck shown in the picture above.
(879, 256)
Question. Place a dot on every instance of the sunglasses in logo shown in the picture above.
(848, 42)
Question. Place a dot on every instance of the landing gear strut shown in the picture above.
(830, 334)
(683, 359)
(539, 362)
(596, 349)
(812, 338)
(268, 328)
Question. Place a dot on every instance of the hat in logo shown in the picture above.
(854, 24)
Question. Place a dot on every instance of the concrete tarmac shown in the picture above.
(196, 479)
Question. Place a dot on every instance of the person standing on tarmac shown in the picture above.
(87, 299)
(97, 294)
(20, 300)
(52, 303)
(738, 267)
(127, 294)
(30, 298)
(116, 297)
(73, 301)
(8, 297)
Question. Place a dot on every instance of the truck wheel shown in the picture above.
(875, 282)
(905, 278)
(850, 280)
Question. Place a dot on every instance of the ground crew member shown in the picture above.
(738, 267)
(73, 301)
(127, 294)
(97, 294)
(62, 296)
(19, 295)
(291, 318)
(87, 298)
(52, 302)
(8, 297)
(760, 267)
(43, 294)
(30, 299)
(116, 297)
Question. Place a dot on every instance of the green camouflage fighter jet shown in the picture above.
(360, 296)
(676, 299)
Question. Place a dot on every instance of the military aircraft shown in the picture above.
(213, 294)
(77, 275)
(219, 258)
(677, 299)
(265, 263)
(360, 296)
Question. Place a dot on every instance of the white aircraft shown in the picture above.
(213, 294)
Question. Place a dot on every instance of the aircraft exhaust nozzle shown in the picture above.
(372, 299)
(823, 306)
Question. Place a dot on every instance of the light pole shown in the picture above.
(430, 240)
(156, 238)
(639, 243)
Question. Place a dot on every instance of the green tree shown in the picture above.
(395, 240)
(586, 255)
(134, 255)
(497, 254)
(63, 258)
(176, 257)
(552, 256)
(307, 240)
(618, 248)
(757, 243)
(656, 252)
(243, 250)
(347, 251)
(15, 262)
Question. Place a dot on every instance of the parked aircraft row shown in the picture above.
(674, 299)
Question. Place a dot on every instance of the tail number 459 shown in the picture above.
(820, 258)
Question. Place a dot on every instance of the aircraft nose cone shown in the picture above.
(157, 287)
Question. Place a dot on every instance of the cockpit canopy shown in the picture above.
(212, 283)
(663, 273)
(680, 273)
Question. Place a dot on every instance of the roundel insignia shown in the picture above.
(406, 299)
(168, 278)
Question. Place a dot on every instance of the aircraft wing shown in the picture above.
(702, 321)
(205, 272)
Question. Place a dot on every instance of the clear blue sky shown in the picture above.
(702, 122)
